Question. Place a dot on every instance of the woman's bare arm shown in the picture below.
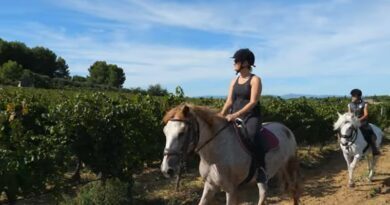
(229, 100)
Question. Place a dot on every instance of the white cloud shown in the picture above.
(326, 39)
(143, 64)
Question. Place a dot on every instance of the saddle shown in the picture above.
(264, 142)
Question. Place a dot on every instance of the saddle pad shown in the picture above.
(267, 140)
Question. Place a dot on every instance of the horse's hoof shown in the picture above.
(351, 185)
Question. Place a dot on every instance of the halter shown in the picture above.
(194, 138)
(350, 139)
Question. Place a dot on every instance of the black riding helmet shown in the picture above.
(356, 92)
(243, 55)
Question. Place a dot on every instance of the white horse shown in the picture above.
(353, 144)
(224, 163)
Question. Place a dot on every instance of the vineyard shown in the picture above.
(45, 134)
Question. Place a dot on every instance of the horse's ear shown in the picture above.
(185, 110)
(339, 114)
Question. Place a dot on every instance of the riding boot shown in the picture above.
(374, 148)
(261, 176)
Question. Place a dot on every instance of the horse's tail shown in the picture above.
(291, 178)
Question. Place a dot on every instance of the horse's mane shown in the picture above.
(345, 118)
(209, 115)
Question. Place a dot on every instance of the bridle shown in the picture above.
(350, 139)
(192, 138)
(192, 135)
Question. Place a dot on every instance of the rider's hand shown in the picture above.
(230, 117)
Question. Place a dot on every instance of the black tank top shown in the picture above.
(241, 97)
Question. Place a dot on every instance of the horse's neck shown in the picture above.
(224, 148)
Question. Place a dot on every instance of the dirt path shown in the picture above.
(328, 184)
(324, 184)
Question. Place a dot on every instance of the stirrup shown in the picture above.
(239, 122)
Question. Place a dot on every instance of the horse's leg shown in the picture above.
(291, 177)
(232, 197)
(348, 160)
(209, 191)
(262, 192)
(352, 166)
(371, 166)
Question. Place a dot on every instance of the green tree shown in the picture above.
(157, 90)
(15, 51)
(107, 74)
(38, 59)
(98, 72)
(11, 70)
(116, 76)
(78, 78)
(62, 69)
(45, 61)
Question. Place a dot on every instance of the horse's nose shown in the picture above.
(170, 172)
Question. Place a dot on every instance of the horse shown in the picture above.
(224, 163)
(353, 144)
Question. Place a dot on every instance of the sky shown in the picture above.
(320, 47)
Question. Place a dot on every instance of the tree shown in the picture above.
(116, 76)
(38, 59)
(106, 74)
(98, 72)
(62, 69)
(78, 78)
(11, 70)
(157, 90)
(44, 61)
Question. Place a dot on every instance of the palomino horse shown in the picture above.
(224, 163)
(353, 144)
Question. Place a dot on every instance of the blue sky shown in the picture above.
(305, 47)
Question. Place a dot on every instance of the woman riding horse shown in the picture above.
(243, 100)
(360, 109)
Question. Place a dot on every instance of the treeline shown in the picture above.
(41, 67)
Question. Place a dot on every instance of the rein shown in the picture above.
(350, 139)
(211, 139)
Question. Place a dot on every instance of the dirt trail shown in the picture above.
(323, 184)
(327, 184)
